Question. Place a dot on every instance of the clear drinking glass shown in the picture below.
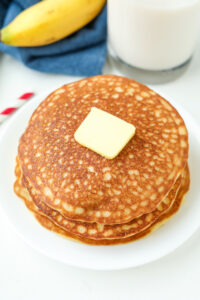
(150, 38)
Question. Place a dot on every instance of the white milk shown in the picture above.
(153, 34)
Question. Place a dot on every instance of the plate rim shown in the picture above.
(38, 99)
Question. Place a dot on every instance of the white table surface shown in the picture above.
(26, 274)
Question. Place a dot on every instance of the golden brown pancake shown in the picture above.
(46, 222)
(80, 184)
(101, 231)
(95, 230)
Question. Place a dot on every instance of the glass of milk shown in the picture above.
(153, 35)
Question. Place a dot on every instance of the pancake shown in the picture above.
(80, 184)
(47, 223)
(99, 231)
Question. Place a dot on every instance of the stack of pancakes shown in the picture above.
(80, 194)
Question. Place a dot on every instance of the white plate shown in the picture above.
(170, 236)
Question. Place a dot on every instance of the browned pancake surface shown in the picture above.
(81, 184)
(100, 231)
(46, 222)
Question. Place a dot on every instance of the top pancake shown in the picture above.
(85, 186)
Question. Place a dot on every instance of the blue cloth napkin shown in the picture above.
(81, 54)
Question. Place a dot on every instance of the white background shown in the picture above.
(26, 274)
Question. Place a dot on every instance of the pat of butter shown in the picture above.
(104, 133)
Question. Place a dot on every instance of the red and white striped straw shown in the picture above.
(15, 105)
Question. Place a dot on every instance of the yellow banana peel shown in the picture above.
(49, 21)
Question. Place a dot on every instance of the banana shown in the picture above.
(49, 21)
